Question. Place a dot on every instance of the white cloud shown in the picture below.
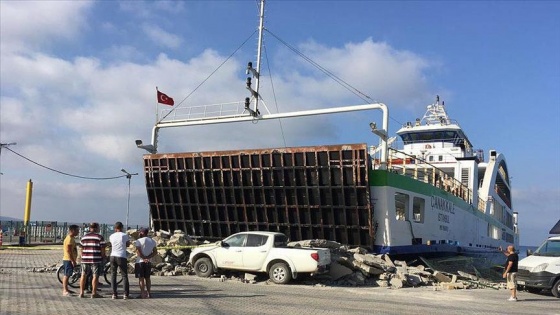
(161, 37)
(376, 69)
(152, 9)
(31, 24)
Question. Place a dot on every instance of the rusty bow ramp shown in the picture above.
(318, 192)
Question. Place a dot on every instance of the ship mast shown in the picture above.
(259, 54)
(253, 114)
(255, 72)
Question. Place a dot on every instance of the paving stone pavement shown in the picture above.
(25, 292)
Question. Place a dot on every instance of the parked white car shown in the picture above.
(258, 252)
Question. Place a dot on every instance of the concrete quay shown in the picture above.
(25, 292)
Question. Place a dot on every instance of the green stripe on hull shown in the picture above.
(386, 178)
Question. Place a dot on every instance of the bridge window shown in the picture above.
(437, 135)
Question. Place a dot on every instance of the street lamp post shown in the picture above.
(128, 176)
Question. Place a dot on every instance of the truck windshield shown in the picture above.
(549, 248)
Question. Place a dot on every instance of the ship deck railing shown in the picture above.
(203, 112)
(419, 169)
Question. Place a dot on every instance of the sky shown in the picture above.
(78, 86)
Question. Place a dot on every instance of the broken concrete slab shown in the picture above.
(384, 276)
(368, 269)
(346, 261)
(440, 277)
(338, 271)
(452, 286)
(467, 275)
(251, 278)
(397, 283)
(358, 277)
(400, 263)
(316, 243)
(401, 271)
(388, 260)
(371, 260)
(357, 250)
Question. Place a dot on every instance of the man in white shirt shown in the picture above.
(119, 242)
(145, 250)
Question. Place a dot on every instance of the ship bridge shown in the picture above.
(435, 137)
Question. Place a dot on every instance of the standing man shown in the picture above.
(510, 271)
(93, 255)
(145, 250)
(69, 257)
(119, 242)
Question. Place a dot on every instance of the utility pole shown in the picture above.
(128, 176)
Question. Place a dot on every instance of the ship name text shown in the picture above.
(443, 205)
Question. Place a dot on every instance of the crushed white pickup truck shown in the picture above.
(259, 252)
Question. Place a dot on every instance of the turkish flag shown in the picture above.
(164, 99)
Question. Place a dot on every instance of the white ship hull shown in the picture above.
(415, 218)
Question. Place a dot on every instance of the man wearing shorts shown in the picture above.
(69, 257)
(93, 255)
(145, 250)
(510, 272)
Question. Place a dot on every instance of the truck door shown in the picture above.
(255, 251)
(230, 255)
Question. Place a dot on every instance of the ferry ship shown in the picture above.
(426, 191)
(438, 194)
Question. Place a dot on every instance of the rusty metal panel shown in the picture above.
(318, 192)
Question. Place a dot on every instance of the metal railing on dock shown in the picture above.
(39, 232)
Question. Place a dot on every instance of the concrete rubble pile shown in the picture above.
(349, 267)
(169, 261)
(355, 267)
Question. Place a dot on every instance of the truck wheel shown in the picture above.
(203, 267)
(280, 273)
(556, 289)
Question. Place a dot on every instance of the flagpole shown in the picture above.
(157, 114)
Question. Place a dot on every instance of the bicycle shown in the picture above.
(74, 279)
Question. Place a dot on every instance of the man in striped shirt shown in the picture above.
(93, 255)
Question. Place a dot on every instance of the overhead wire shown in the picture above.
(340, 81)
(208, 77)
(337, 79)
(61, 172)
(274, 94)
